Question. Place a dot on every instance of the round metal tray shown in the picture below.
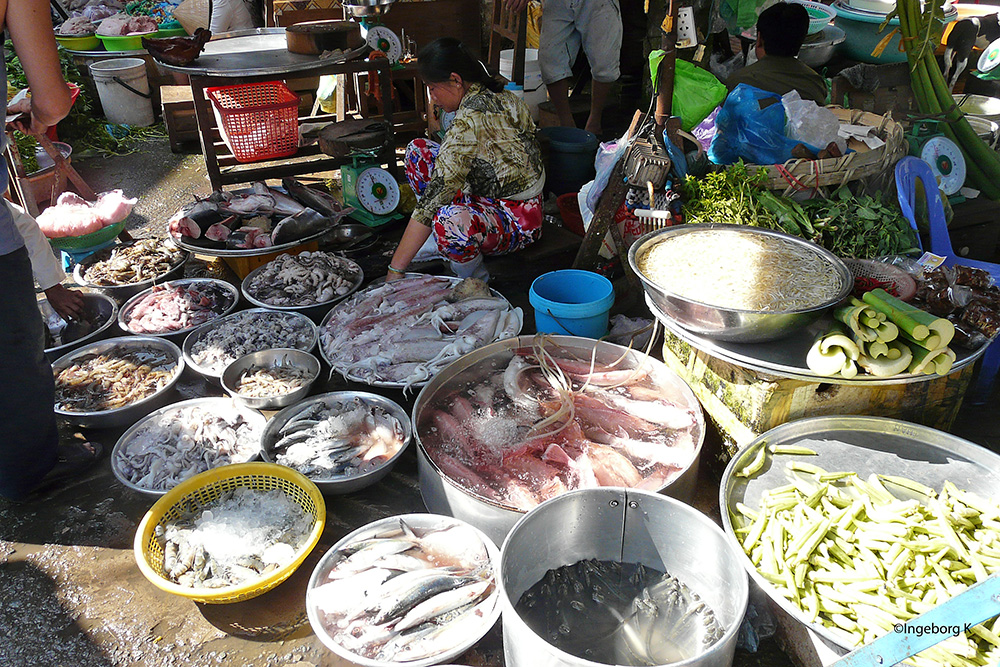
(256, 52)
(863, 445)
(249, 252)
(787, 357)
(209, 327)
(129, 305)
(311, 309)
(357, 296)
(96, 303)
(250, 414)
(129, 413)
(342, 484)
(125, 290)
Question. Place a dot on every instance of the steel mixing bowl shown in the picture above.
(339, 485)
(100, 308)
(214, 404)
(817, 50)
(730, 324)
(134, 411)
(122, 293)
(314, 311)
(363, 8)
(126, 310)
(269, 359)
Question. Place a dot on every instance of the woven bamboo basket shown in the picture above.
(813, 175)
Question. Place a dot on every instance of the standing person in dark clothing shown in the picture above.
(30, 454)
(781, 29)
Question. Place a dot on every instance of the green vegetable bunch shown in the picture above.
(861, 227)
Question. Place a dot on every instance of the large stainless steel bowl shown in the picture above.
(100, 309)
(315, 311)
(213, 403)
(488, 609)
(126, 310)
(738, 326)
(134, 411)
(269, 359)
(444, 495)
(312, 336)
(818, 49)
(122, 293)
(619, 525)
(863, 445)
(339, 485)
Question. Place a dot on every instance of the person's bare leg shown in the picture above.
(598, 96)
(559, 94)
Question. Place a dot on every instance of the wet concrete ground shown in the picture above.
(70, 591)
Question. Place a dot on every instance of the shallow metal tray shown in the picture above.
(310, 309)
(250, 414)
(340, 484)
(864, 445)
(129, 413)
(177, 335)
(787, 357)
(207, 328)
(102, 307)
(256, 52)
(357, 296)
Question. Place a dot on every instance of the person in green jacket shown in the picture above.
(781, 29)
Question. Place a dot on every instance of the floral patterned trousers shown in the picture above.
(471, 225)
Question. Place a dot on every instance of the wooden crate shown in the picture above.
(743, 403)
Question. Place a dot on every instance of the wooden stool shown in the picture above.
(177, 106)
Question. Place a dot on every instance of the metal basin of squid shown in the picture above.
(525, 419)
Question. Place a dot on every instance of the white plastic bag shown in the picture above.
(810, 123)
(607, 157)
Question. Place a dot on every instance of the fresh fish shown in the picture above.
(170, 307)
(315, 199)
(334, 597)
(449, 634)
(403, 600)
(194, 219)
(283, 204)
(295, 227)
(223, 543)
(265, 381)
(248, 205)
(220, 231)
(442, 603)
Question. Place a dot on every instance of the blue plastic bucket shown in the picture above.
(571, 158)
(572, 302)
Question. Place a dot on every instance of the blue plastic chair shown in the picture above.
(908, 171)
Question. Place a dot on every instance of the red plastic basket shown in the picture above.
(258, 121)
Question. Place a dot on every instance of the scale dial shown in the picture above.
(385, 40)
(990, 57)
(946, 161)
(377, 191)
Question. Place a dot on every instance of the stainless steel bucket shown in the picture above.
(619, 525)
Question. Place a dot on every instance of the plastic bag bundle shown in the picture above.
(809, 123)
(751, 126)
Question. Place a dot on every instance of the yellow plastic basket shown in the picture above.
(190, 495)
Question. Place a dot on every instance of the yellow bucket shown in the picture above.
(193, 493)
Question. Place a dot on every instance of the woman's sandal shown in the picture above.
(74, 458)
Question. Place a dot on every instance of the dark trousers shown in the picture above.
(28, 437)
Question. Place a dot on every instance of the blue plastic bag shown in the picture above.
(745, 130)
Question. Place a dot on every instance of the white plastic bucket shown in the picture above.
(534, 89)
(124, 91)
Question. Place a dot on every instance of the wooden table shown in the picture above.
(253, 56)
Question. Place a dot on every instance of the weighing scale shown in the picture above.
(369, 14)
(370, 190)
(942, 154)
(988, 61)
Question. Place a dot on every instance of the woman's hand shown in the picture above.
(414, 236)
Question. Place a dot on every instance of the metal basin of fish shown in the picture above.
(340, 484)
(317, 308)
(253, 337)
(101, 313)
(630, 527)
(465, 418)
(460, 627)
(127, 444)
(125, 291)
(129, 413)
(229, 298)
(286, 357)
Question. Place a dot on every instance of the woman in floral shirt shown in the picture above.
(480, 191)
